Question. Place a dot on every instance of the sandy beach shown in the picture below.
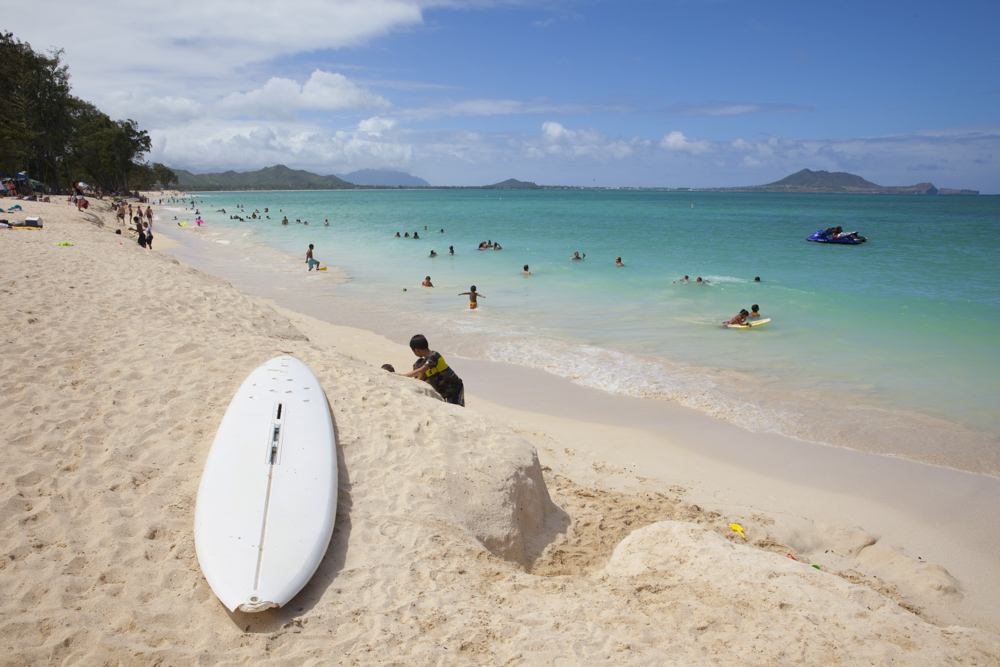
(544, 524)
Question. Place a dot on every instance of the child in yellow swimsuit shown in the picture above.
(473, 295)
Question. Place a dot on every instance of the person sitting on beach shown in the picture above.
(740, 318)
(432, 369)
(618, 261)
(473, 295)
(309, 258)
(755, 310)
(433, 254)
(427, 282)
(526, 272)
(576, 255)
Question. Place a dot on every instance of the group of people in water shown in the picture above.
(742, 316)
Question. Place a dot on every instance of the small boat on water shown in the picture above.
(837, 235)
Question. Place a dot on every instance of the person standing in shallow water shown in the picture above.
(310, 260)
(473, 296)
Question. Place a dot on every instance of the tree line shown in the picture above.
(56, 138)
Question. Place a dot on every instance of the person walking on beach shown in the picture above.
(309, 258)
(148, 226)
(473, 296)
(434, 370)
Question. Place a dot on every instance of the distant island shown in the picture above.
(839, 182)
(280, 177)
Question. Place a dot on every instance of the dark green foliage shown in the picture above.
(55, 137)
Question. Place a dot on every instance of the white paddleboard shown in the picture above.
(268, 495)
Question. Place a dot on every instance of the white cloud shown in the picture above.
(197, 49)
(281, 98)
(735, 109)
(496, 107)
(557, 140)
(676, 141)
(376, 126)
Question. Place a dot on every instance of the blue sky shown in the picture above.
(680, 93)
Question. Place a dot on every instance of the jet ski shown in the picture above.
(837, 235)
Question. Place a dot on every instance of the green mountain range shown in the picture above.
(278, 177)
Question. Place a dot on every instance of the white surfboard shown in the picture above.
(268, 496)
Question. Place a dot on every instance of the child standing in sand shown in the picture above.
(432, 369)
(309, 258)
(473, 295)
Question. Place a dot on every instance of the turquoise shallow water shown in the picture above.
(863, 339)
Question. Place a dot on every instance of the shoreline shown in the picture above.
(907, 504)
(489, 533)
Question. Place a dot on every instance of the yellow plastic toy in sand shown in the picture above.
(737, 528)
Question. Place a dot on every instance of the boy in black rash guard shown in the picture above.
(432, 369)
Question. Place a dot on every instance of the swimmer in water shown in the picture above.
(473, 296)
(755, 310)
(433, 254)
(427, 282)
(526, 272)
(576, 255)
(451, 250)
(618, 261)
(740, 318)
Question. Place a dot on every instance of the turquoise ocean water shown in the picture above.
(891, 346)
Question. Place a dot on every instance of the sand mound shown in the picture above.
(737, 594)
